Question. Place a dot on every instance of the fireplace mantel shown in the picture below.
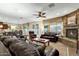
(71, 25)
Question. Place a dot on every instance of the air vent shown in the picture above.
(51, 5)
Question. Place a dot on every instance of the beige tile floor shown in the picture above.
(63, 49)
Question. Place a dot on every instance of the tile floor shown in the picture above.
(63, 49)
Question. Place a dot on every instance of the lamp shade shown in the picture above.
(1, 26)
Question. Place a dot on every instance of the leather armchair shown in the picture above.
(32, 35)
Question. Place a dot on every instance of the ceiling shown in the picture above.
(19, 13)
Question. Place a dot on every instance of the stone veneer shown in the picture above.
(64, 39)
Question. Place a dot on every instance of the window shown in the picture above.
(26, 28)
(46, 28)
(35, 28)
(56, 28)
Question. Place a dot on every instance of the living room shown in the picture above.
(47, 29)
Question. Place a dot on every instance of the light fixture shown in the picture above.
(13, 27)
(1, 26)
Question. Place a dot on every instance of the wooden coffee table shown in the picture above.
(41, 40)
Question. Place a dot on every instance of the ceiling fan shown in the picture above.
(42, 13)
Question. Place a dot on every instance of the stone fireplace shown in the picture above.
(72, 32)
(71, 29)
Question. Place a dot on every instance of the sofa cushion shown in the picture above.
(23, 49)
(3, 50)
(2, 38)
(8, 41)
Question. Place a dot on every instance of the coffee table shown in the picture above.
(41, 40)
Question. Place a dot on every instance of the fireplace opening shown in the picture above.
(72, 33)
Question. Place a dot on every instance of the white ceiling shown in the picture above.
(19, 13)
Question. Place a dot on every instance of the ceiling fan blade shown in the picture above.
(43, 13)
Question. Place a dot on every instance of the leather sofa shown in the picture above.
(20, 48)
(51, 36)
